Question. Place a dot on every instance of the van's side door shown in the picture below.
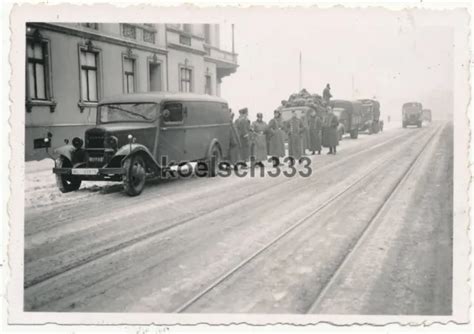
(199, 129)
(171, 141)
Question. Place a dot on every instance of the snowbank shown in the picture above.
(41, 189)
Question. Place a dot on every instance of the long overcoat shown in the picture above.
(329, 131)
(234, 145)
(259, 151)
(242, 125)
(276, 133)
(314, 126)
(295, 129)
(305, 136)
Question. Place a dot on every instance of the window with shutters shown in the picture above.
(129, 75)
(37, 70)
(186, 80)
(89, 76)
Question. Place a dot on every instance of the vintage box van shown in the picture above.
(138, 135)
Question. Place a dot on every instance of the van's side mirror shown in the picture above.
(185, 111)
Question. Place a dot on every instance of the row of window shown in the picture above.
(130, 31)
(38, 74)
(148, 33)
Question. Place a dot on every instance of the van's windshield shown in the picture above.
(128, 112)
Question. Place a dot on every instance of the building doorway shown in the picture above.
(154, 77)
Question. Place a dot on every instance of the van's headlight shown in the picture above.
(112, 142)
(77, 143)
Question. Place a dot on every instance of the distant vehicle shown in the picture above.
(135, 133)
(411, 114)
(349, 115)
(426, 115)
(370, 114)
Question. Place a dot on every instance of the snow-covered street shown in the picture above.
(195, 244)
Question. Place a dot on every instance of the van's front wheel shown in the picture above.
(135, 175)
(66, 183)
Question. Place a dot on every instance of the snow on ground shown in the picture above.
(41, 189)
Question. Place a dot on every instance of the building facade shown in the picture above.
(71, 66)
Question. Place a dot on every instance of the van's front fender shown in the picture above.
(130, 149)
(66, 151)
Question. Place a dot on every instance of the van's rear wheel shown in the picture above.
(215, 160)
(66, 183)
(135, 175)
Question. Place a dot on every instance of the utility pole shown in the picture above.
(301, 73)
(233, 45)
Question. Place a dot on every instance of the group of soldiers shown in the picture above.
(254, 141)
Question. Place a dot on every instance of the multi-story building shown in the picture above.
(71, 66)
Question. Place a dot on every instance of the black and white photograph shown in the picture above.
(261, 165)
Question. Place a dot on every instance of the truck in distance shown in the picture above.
(411, 114)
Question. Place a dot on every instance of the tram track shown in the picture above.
(371, 225)
(77, 262)
(301, 222)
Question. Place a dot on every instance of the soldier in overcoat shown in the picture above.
(259, 142)
(314, 127)
(276, 136)
(295, 130)
(242, 125)
(329, 131)
(234, 145)
(327, 93)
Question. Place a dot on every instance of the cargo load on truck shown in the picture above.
(303, 99)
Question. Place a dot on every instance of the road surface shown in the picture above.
(368, 232)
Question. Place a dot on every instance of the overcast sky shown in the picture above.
(394, 56)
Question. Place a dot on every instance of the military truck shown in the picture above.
(411, 114)
(370, 114)
(426, 116)
(349, 115)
